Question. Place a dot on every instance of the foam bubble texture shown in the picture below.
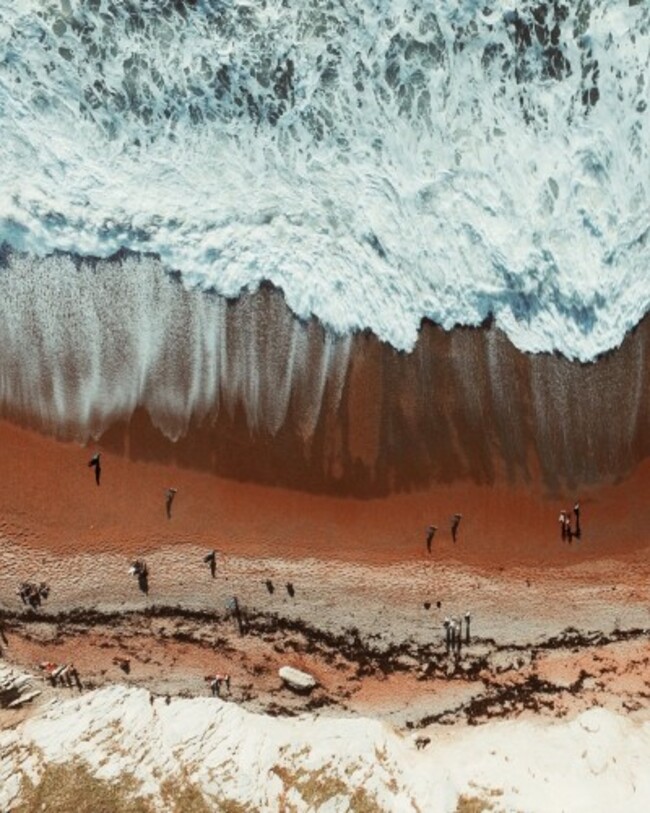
(118, 335)
(380, 162)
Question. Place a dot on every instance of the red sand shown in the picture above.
(49, 500)
(509, 563)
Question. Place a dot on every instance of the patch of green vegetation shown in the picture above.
(473, 804)
(230, 806)
(363, 802)
(181, 796)
(315, 787)
(319, 786)
(71, 786)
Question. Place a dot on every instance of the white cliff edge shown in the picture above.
(594, 762)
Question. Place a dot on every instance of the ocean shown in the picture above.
(384, 166)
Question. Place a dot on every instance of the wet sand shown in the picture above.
(49, 501)
(245, 390)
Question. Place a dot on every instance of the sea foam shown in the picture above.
(381, 162)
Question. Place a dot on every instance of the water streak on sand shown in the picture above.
(245, 389)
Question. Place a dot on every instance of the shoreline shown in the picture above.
(251, 394)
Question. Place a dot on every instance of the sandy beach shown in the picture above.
(324, 407)
(556, 626)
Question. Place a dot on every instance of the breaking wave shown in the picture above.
(244, 388)
(381, 162)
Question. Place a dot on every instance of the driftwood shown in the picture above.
(14, 689)
(24, 698)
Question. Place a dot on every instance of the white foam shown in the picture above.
(117, 334)
(422, 165)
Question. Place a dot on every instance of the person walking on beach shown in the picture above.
(140, 570)
(562, 520)
(452, 634)
(458, 624)
(447, 625)
(468, 618)
(234, 609)
(576, 511)
(430, 534)
(170, 494)
(455, 522)
(94, 461)
(568, 533)
(211, 559)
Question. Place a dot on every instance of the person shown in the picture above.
(211, 559)
(123, 663)
(170, 494)
(24, 591)
(215, 686)
(140, 570)
(233, 607)
(468, 618)
(562, 521)
(74, 675)
(447, 625)
(576, 511)
(455, 522)
(430, 534)
(568, 533)
(94, 461)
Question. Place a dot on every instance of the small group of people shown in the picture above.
(216, 682)
(62, 674)
(32, 593)
(140, 570)
(567, 531)
(431, 530)
(454, 632)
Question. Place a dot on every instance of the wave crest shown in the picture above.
(382, 163)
